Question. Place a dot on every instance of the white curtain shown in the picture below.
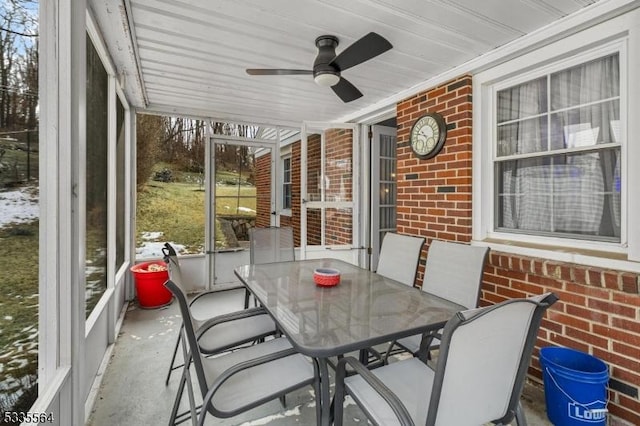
(527, 205)
(576, 193)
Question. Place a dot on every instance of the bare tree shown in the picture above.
(19, 64)
(183, 145)
(149, 134)
(28, 71)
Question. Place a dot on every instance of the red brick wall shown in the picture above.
(434, 196)
(598, 311)
(263, 191)
(285, 221)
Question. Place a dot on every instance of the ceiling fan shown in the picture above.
(327, 66)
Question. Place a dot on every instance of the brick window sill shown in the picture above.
(559, 254)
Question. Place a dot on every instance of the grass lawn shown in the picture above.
(19, 307)
(175, 209)
(15, 165)
(178, 211)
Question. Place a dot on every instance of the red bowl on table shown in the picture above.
(326, 277)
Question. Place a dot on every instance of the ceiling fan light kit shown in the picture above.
(326, 79)
(327, 67)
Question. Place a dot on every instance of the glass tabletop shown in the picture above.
(363, 310)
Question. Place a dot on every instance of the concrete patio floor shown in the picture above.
(133, 391)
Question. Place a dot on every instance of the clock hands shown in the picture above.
(428, 135)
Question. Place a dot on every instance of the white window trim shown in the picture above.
(94, 35)
(618, 34)
(285, 153)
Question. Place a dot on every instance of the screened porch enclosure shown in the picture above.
(539, 161)
(251, 179)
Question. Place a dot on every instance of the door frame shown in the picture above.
(349, 253)
(210, 197)
(375, 242)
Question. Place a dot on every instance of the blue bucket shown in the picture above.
(575, 387)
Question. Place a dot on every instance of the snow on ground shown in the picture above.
(153, 249)
(22, 206)
(18, 206)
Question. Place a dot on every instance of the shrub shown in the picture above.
(149, 136)
(164, 175)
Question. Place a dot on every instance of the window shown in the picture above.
(554, 150)
(120, 183)
(557, 153)
(96, 177)
(286, 183)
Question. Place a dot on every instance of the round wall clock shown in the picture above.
(428, 135)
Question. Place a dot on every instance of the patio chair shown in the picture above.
(479, 376)
(399, 257)
(454, 272)
(212, 303)
(398, 260)
(268, 245)
(236, 381)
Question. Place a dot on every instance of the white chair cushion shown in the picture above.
(399, 257)
(410, 380)
(213, 303)
(258, 382)
(240, 330)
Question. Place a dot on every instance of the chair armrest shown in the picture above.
(424, 350)
(227, 374)
(376, 384)
(232, 316)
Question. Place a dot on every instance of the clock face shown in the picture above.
(428, 135)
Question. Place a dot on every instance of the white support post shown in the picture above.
(62, 143)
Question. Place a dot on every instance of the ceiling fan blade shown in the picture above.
(346, 91)
(263, 71)
(366, 48)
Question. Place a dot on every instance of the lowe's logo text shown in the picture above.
(580, 412)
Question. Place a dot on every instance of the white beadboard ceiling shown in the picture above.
(188, 57)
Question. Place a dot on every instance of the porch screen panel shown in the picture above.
(558, 153)
(338, 170)
(19, 212)
(314, 169)
(170, 204)
(96, 178)
(236, 195)
(120, 184)
(338, 225)
(314, 226)
(314, 189)
(329, 188)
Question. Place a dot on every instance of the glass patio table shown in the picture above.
(363, 310)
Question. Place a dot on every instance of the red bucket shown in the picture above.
(150, 278)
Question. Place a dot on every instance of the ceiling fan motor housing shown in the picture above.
(323, 72)
(327, 67)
